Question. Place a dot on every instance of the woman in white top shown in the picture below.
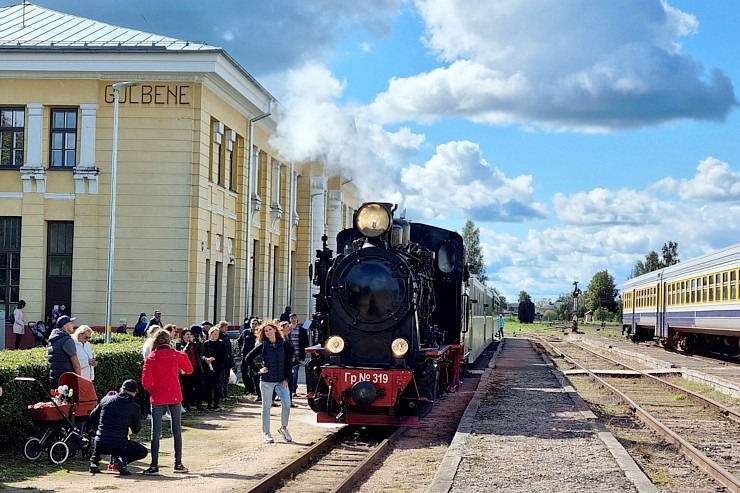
(84, 351)
(19, 323)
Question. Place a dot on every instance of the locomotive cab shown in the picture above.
(384, 348)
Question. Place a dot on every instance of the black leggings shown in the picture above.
(18, 338)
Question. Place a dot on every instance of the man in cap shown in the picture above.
(62, 352)
(110, 421)
(156, 319)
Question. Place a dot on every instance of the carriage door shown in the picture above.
(60, 236)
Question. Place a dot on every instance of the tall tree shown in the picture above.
(473, 252)
(653, 262)
(602, 292)
(670, 254)
(524, 296)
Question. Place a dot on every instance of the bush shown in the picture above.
(116, 362)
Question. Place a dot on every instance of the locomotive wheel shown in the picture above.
(59, 452)
(33, 449)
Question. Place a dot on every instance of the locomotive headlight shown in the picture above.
(372, 220)
(334, 345)
(399, 347)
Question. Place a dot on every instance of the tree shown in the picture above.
(653, 262)
(670, 254)
(565, 308)
(601, 293)
(524, 296)
(473, 252)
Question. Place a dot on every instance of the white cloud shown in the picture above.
(613, 229)
(588, 66)
(715, 181)
(458, 178)
(602, 207)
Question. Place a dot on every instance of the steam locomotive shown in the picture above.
(390, 313)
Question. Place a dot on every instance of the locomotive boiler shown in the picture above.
(390, 313)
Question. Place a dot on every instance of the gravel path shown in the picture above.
(528, 435)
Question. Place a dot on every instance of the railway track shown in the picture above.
(334, 464)
(705, 431)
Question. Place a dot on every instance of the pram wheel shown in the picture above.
(33, 449)
(58, 452)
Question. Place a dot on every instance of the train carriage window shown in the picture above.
(704, 290)
(683, 292)
(724, 287)
(733, 285)
(711, 288)
(693, 291)
(717, 288)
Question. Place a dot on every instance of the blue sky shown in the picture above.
(577, 134)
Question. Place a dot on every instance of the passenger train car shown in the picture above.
(391, 316)
(692, 306)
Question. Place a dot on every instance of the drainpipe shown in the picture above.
(291, 205)
(250, 191)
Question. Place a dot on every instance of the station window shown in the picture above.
(10, 263)
(63, 138)
(12, 131)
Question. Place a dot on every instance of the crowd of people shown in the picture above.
(179, 375)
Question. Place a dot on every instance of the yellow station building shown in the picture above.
(210, 221)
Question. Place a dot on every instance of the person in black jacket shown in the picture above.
(277, 357)
(111, 420)
(214, 353)
(223, 327)
(246, 342)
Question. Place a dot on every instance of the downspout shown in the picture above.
(250, 191)
(291, 205)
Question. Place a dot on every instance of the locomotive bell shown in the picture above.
(364, 393)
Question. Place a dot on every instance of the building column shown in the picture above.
(86, 171)
(334, 221)
(317, 220)
(32, 172)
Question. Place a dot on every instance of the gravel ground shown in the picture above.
(528, 435)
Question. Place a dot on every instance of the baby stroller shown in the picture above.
(62, 437)
(38, 329)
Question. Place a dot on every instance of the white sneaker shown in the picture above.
(286, 434)
(268, 438)
(166, 417)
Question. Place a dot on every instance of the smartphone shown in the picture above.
(178, 346)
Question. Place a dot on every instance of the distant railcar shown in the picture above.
(692, 306)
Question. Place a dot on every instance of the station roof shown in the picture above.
(29, 26)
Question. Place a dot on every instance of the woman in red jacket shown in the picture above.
(161, 377)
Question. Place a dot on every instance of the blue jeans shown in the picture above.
(284, 393)
(294, 379)
(176, 425)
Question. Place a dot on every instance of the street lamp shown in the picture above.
(112, 229)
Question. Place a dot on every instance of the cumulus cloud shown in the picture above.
(458, 178)
(582, 65)
(602, 207)
(613, 229)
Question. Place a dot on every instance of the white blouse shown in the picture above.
(85, 354)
